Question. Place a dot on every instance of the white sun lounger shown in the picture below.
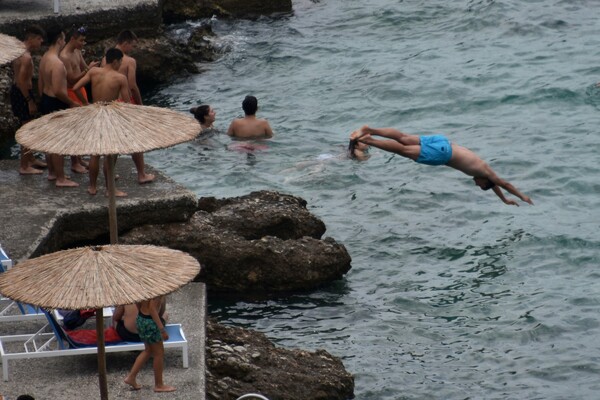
(11, 310)
(57, 343)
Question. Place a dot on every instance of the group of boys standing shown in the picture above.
(63, 76)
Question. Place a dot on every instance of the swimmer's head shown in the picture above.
(250, 105)
(204, 114)
(355, 145)
(484, 183)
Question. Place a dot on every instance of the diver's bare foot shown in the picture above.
(30, 171)
(66, 183)
(92, 191)
(364, 130)
(78, 168)
(131, 382)
(39, 164)
(164, 388)
(51, 177)
(146, 178)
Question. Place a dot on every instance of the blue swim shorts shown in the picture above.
(435, 150)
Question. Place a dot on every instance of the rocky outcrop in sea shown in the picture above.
(263, 242)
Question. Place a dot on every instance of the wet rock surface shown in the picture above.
(181, 10)
(241, 361)
(261, 242)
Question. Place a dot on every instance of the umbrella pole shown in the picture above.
(101, 354)
(112, 203)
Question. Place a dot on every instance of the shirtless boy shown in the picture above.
(437, 150)
(21, 93)
(76, 68)
(126, 42)
(52, 85)
(108, 84)
(250, 127)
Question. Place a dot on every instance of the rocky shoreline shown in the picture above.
(265, 242)
(161, 57)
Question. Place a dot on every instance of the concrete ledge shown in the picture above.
(38, 218)
(76, 377)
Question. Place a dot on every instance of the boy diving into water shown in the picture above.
(437, 150)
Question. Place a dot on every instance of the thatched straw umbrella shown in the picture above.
(108, 129)
(97, 277)
(10, 48)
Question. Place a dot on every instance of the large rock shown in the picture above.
(143, 19)
(262, 242)
(241, 361)
(181, 10)
(160, 58)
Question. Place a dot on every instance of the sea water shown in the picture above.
(452, 294)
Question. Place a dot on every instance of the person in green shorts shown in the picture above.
(152, 332)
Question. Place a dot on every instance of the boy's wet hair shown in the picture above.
(113, 54)
(250, 105)
(200, 112)
(352, 148)
(34, 30)
(126, 36)
(53, 35)
(489, 185)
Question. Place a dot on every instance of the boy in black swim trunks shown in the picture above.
(53, 87)
(22, 99)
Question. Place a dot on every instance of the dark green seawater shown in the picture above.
(452, 295)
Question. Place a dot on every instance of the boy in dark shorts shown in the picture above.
(22, 99)
(53, 88)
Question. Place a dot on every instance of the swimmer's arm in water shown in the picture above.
(268, 130)
(231, 129)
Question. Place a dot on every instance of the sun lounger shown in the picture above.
(5, 261)
(57, 343)
(11, 310)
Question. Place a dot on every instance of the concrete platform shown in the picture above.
(76, 377)
(37, 217)
(30, 9)
(103, 18)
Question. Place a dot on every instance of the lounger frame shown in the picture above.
(50, 344)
